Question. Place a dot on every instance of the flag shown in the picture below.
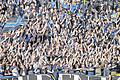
(73, 8)
(114, 32)
(65, 6)
(84, 1)
(53, 4)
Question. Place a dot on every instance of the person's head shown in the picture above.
(14, 63)
(1, 61)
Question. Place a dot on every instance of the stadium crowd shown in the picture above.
(60, 35)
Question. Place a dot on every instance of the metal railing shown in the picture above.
(61, 77)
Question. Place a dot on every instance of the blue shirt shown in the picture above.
(1, 70)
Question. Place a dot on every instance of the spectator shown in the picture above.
(14, 69)
(73, 36)
(1, 69)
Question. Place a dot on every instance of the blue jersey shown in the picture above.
(1, 70)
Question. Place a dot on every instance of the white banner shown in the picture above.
(69, 77)
(77, 77)
(103, 78)
(64, 77)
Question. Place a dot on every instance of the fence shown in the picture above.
(7, 77)
(61, 77)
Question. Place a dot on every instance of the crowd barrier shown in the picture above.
(35, 77)
(61, 77)
(7, 77)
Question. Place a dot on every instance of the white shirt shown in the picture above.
(15, 72)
